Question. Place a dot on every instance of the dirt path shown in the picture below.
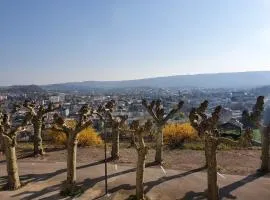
(44, 181)
(184, 178)
(236, 162)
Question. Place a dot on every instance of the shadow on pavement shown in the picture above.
(194, 195)
(149, 185)
(90, 183)
(25, 179)
(225, 192)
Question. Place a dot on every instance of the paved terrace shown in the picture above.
(44, 182)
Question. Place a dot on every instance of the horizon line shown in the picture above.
(136, 79)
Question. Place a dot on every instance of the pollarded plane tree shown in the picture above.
(200, 112)
(207, 129)
(2, 149)
(138, 132)
(264, 127)
(8, 133)
(265, 137)
(38, 113)
(84, 121)
(252, 120)
(156, 110)
(115, 122)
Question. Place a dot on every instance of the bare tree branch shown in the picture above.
(51, 108)
(99, 115)
(134, 141)
(30, 108)
(63, 129)
(173, 112)
(84, 126)
(6, 136)
(149, 109)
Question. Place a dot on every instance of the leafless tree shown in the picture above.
(72, 140)
(138, 132)
(116, 123)
(156, 110)
(8, 134)
(38, 112)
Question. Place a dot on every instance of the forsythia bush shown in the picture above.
(176, 134)
(87, 137)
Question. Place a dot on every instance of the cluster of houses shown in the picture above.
(129, 102)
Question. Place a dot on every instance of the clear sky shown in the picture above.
(51, 41)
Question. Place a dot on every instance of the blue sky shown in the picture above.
(51, 41)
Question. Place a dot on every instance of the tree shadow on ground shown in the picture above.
(38, 194)
(90, 183)
(28, 155)
(86, 184)
(225, 192)
(149, 185)
(25, 179)
(54, 149)
(48, 193)
(194, 196)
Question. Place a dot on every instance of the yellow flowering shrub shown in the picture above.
(87, 137)
(176, 134)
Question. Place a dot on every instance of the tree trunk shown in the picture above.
(2, 144)
(38, 148)
(132, 143)
(12, 166)
(265, 166)
(115, 145)
(211, 145)
(159, 146)
(71, 162)
(205, 151)
(140, 173)
(245, 140)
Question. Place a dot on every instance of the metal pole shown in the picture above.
(106, 170)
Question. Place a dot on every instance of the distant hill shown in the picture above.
(265, 90)
(25, 89)
(219, 80)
